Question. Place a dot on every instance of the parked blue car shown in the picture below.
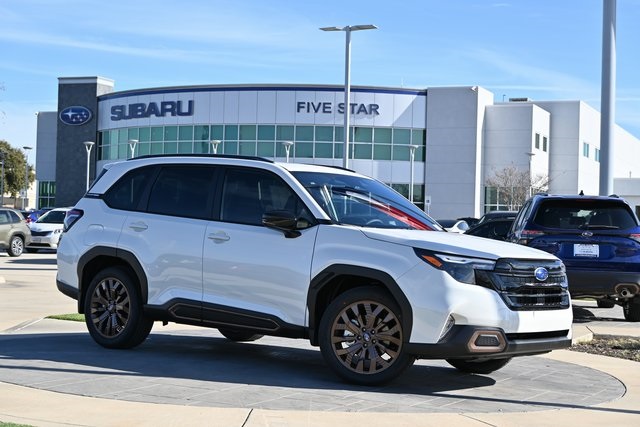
(597, 238)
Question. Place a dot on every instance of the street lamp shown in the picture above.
(412, 156)
(530, 154)
(2, 179)
(214, 145)
(132, 145)
(347, 80)
(88, 145)
(287, 147)
(26, 149)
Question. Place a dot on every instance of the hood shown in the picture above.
(457, 244)
(41, 226)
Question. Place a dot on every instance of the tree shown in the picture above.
(14, 169)
(515, 185)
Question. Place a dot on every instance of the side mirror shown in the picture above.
(283, 221)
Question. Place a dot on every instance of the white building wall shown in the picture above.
(510, 133)
(564, 145)
(455, 117)
(628, 189)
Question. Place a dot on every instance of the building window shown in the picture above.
(46, 194)
(322, 142)
(585, 149)
(597, 155)
(544, 143)
(538, 141)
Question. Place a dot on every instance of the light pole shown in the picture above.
(88, 145)
(347, 80)
(26, 149)
(214, 145)
(412, 156)
(2, 178)
(287, 146)
(132, 145)
(530, 154)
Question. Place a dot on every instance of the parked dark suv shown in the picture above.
(597, 238)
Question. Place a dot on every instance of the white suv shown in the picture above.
(255, 248)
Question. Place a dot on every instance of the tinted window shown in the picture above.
(579, 214)
(52, 217)
(127, 192)
(4, 217)
(183, 190)
(14, 217)
(247, 194)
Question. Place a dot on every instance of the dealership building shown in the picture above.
(454, 139)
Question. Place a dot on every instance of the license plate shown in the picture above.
(589, 251)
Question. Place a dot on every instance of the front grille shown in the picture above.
(516, 283)
(40, 233)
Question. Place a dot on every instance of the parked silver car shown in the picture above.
(14, 232)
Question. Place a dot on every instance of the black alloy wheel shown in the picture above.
(113, 310)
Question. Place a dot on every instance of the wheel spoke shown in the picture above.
(366, 337)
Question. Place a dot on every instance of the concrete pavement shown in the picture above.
(52, 374)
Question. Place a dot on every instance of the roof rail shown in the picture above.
(216, 156)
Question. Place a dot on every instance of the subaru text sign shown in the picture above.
(76, 115)
(142, 110)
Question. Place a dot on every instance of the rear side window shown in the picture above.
(127, 193)
(183, 190)
(14, 217)
(584, 214)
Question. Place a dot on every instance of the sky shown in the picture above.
(542, 49)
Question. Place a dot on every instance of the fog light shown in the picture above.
(487, 342)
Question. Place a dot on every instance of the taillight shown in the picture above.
(635, 236)
(71, 217)
(528, 235)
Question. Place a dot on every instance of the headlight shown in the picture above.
(461, 268)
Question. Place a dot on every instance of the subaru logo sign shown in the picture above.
(541, 274)
(76, 115)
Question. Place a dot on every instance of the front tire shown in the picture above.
(478, 367)
(113, 310)
(16, 246)
(362, 339)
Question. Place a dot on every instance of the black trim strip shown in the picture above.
(210, 315)
(69, 291)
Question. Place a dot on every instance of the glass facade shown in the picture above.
(319, 142)
(46, 194)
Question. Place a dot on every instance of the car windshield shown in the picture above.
(584, 214)
(52, 217)
(361, 201)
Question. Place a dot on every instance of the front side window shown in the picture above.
(361, 201)
(247, 194)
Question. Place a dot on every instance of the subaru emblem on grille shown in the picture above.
(587, 234)
(541, 274)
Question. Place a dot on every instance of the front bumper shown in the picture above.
(466, 341)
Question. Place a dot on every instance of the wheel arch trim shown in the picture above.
(125, 256)
(332, 272)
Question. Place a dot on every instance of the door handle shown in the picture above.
(138, 226)
(219, 237)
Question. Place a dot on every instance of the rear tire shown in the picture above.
(631, 309)
(113, 310)
(239, 335)
(362, 339)
(16, 246)
(478, 367)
